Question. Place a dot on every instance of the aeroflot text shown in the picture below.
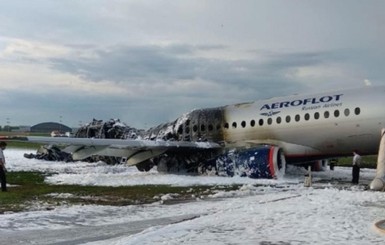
(308, 101)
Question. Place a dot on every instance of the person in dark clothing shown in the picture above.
(356, 167)
(3, 170)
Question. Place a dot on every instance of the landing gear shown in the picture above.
(145, 166)
(308, 178)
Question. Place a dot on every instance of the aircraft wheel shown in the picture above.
(144, 166)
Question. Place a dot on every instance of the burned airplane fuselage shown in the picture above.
(203, 125)
(198, 125)
(212, 125)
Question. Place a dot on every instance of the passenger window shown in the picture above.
(357, 111)
(316, 115)
(203, 128)
(297, 118)
(326, 114)
(180, 130)
(234, 125)
(347, 112)
(288, 118)
(195, 128)
(260, 122)
(336, 113)
(269, 121)
(226, 125)
(252, 123)
(211, 128)
(243, 124)
(307, 116)
(279, 120)
(187, 130)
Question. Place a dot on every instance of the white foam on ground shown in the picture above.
(287, 214)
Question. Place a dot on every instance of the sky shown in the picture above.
(150, 61)
(282, 211)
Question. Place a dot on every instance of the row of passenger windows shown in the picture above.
(316, 115)
(297, 118)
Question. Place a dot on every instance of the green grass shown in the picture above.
(367, 161)
(30, 189)
(23, 145)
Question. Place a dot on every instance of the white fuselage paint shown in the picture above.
(356, 117)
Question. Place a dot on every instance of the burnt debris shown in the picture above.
(112, 129)
(198, 125)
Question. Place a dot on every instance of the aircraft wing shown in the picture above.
(133, 151)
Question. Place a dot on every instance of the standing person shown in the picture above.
(3, 170)
(356, 167)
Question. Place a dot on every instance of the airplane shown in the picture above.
(255, 139)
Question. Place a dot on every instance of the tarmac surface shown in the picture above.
(85, 234)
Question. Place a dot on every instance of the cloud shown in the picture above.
(32, 50)
(167, 69)
(119, 80)
(137, 59)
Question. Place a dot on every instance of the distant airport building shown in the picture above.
(48, 127)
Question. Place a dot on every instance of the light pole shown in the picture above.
(8, 124)
(60, 121)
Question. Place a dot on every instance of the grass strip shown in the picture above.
(29, 192)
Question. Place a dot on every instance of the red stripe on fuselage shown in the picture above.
(271, 162)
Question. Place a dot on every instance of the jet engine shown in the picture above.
(258, 162)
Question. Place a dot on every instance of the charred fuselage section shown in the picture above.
(197, 125)
(203, 125)
(111, 129)
(209, 125)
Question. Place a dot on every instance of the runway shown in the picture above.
(85, 234)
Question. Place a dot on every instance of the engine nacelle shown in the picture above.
(258, 162)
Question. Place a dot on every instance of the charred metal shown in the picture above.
(204, 125)
(198, 125)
